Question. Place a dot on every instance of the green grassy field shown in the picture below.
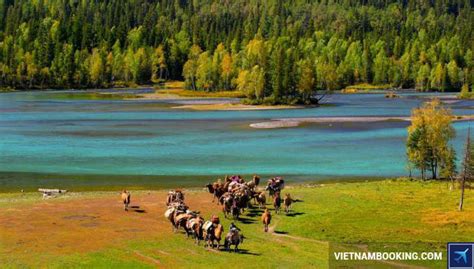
(389, 215)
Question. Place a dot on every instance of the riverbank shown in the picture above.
(389, 215)
(295, 122)
(233, 107)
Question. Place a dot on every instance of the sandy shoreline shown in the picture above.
(232, 107)
(295, 122)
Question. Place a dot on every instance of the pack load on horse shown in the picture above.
(275, 184)
(181, 220)
(233, 237)
(213, 232)
(175, 209)
(175, 196)
(227, 201)
(194, 227)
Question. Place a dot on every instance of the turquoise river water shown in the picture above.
(75, 142)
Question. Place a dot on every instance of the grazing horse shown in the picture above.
(194, 228)
(126, 199)
(213, 234)
(233, 237)
(261, 199)
(266, 219)
(277, 202)
(287, 201)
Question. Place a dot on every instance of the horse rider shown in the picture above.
(233, 228)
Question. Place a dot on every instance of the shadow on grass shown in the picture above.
(140, 210)
(135, 206)
(294, 214)
(254, 213)
(246, 220)
(240, 251)
(280, 232)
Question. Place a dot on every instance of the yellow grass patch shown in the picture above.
(436, 217)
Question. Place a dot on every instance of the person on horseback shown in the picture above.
(233, 228)
(215, 220)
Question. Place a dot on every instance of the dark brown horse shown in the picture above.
(277, 202)
(260, 199)
(216, 189)
(256, 180)
(287, 202)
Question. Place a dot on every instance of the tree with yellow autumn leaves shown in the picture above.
(428, 147)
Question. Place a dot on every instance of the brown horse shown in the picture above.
(126, 199)
(287, 202)
(277, 202)
(266, 219)
(233, 238)
(216, 189)
(256, 180)
(194, 228)
(175, 209)
(180, 221)
(226, 200)
(214, 234)
(261, 199)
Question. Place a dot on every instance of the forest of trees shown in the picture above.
(275, 51)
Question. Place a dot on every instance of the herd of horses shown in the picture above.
(180, 216)
(235, 195)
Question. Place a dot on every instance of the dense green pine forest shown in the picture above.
(276, 51)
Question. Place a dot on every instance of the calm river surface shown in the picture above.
(50, 141)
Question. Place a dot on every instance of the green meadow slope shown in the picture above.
(90, 229)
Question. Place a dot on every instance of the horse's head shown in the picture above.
(256, 179)
(210, 188)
